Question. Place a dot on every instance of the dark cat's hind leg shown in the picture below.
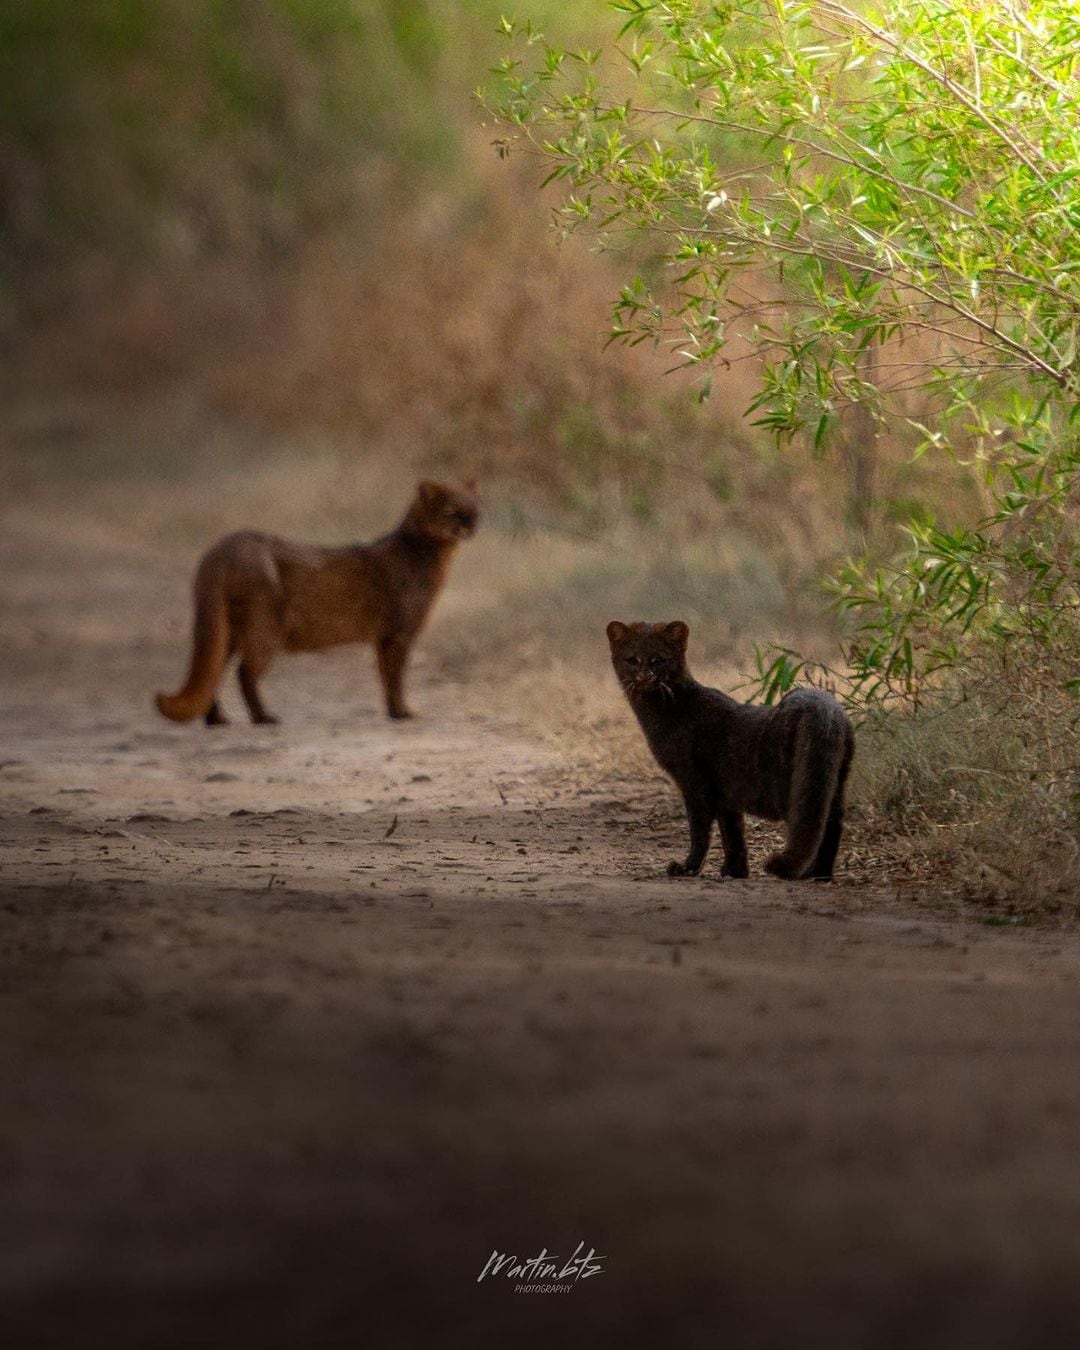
(813, 780)
(252, 667)
(822, 869)
(700, 811)
(785, 867)
(734, 840)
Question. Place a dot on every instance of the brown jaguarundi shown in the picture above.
(789, 762)
(257, 595)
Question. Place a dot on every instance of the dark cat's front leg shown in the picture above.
(734, 840)
(700, 810)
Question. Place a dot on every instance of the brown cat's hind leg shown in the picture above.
(258, 641)
(251, 669)
(734, 840)
(214, 716)
(391, 654)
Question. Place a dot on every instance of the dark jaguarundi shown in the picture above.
(789, 762)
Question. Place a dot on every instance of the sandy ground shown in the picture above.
(299, 1024)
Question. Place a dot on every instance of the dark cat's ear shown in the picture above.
(616, 631)
(428, 491)
(678, 633)
(471, 485)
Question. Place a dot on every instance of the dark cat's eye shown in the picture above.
(632, 660)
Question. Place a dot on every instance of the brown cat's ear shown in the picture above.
(678, 632)
(428, 491)
(471, 485)
(616, 631)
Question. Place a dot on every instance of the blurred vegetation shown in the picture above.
(294, 203)
(201, 125)
(206, 124)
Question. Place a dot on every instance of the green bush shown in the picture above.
(881, 205)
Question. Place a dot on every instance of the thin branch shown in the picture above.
(786, 138)
(887, 39)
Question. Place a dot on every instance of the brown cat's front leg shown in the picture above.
(392, 653)
(699, 811)
(731, 832)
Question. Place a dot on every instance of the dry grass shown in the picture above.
(987, 791)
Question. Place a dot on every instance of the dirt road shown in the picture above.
(299, 1024)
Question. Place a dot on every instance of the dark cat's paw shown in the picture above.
(780, 865)
(736, 870)
(678, 869)
(400, 714)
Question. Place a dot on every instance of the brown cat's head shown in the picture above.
(444, 511)
(648, 656)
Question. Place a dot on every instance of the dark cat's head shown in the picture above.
(445, 512)
(648, 657)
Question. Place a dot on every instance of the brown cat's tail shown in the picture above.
(210, 652)
(822, 755)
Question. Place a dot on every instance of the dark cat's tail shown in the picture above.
(820, 760)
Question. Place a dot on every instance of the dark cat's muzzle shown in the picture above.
(646, 682)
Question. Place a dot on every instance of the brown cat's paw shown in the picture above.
(678, 869)
(780, 865)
